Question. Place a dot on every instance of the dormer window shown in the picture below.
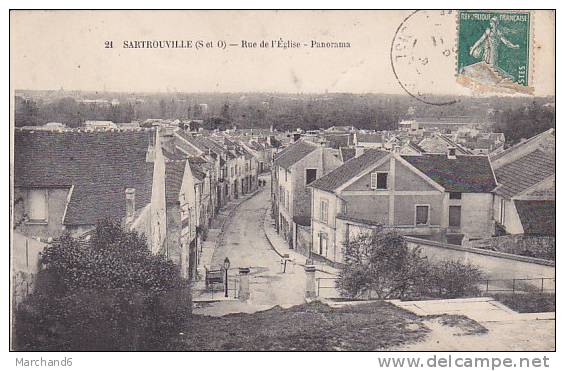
(451, 153)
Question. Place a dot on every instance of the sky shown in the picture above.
(65, 49)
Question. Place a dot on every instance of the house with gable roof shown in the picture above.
(524, 201)
(68, 181)
(443, 197)
(182, 199)
(293, 170)
(441, 143)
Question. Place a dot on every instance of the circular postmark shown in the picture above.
(423, 55)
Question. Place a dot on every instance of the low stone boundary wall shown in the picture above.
(495, 264)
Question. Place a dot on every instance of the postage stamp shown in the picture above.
(493, 52)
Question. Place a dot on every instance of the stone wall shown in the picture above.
(496, 265)
(303, 239)
(25, 265)
(542, 247)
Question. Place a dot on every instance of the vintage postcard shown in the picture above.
(261, 180)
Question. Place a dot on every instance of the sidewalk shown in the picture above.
(481, 309)
(215, 235)
(280, 246)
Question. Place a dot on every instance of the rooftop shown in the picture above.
(537, 217)
(464, 173)
(294, 153)
(99, 166)
(348, 170)
(525, 172)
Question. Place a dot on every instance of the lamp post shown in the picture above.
(226, 267)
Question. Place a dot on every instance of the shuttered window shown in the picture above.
(324, 211)
(422, 214)
(454, 216)
(379, 180)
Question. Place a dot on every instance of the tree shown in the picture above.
(381, 263)
(110, 293)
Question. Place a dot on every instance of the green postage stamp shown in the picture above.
(494, 50)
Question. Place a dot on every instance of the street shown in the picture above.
(243, 241)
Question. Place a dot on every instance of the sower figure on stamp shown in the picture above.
(486, 47)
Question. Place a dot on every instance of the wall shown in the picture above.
(542, 247)
(369, 207)
(25, 265)
(173, 250)
(303, 239)
(496, 265)
(405, 209)
(334, 206)
(477, 215)
(158, 207)
(320, 159)
(57, 202)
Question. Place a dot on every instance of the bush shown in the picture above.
(531, 302)
(108, 294)
(381, 264)
(452, 279)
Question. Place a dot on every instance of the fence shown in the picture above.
(217, 290)
(326, 286)
(518, 285)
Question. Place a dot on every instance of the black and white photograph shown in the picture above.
(283, 181)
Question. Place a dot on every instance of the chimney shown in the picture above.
(451, 153)
(359, 151)
(396, 148)
(130, 204)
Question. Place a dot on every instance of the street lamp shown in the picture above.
(226, 267)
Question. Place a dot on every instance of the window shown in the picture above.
(502, 211)
(454, 195)
(379, 180)
(324, 211)
(454, 216)
(310, 175)
(287, 201)
(285, 175)
(422, 214)
(37, 205)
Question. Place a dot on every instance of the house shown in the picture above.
(524, 201)
(181, 196)
(369, 140)
(68, 181)
(435, 196)
(442, 124)
(338, 141)
(293, 170)
(215, 156)
(411, 148)
(340, 129)
(480, 143)
(440, 143)
(346, 153)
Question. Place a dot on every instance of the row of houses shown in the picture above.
(466, 137)
(162, 182)
(322, 196)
